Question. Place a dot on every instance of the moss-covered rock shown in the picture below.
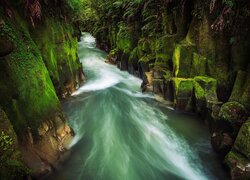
(238, 159)
(238, 165)
(27, 94)
(59, 51)
(32, 96)
(205, 92)
(11, 164)
(182, 59)
(183, 94)
(234, 114)
(242, 142)
(198, 67)
(214, 47)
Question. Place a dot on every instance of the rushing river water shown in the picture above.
(122, 134)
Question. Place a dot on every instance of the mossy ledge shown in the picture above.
(38, 66)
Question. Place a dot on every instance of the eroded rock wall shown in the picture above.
(38, 66)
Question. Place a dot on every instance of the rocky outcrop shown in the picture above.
(38, 66)
(58, 46)
(42, 154)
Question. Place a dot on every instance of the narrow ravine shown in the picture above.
(124, 134)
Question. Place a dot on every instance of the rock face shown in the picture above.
(58, 47)
(42, 155)
(38, 66)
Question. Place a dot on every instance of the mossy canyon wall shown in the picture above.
(195, 54)
(38, 66)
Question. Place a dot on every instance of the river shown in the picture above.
(123, 134)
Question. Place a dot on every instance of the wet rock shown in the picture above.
(144, 74)
(238, 165)
(222, 142)
(168, 91)
(148, 85)
(158, 86)
(124, 62)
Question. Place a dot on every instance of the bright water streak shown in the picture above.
(119, 134)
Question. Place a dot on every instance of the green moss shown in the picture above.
(183, 91)
(143, 47)
(59, 51)
(233, 157)
(204, 92)
(233, 111)
(10, 159)
(234, 115)
(182, 59)
(133, 54)
(198, 65)
(205, 88)
(242, 142)
(237, 164)
(34, 94)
